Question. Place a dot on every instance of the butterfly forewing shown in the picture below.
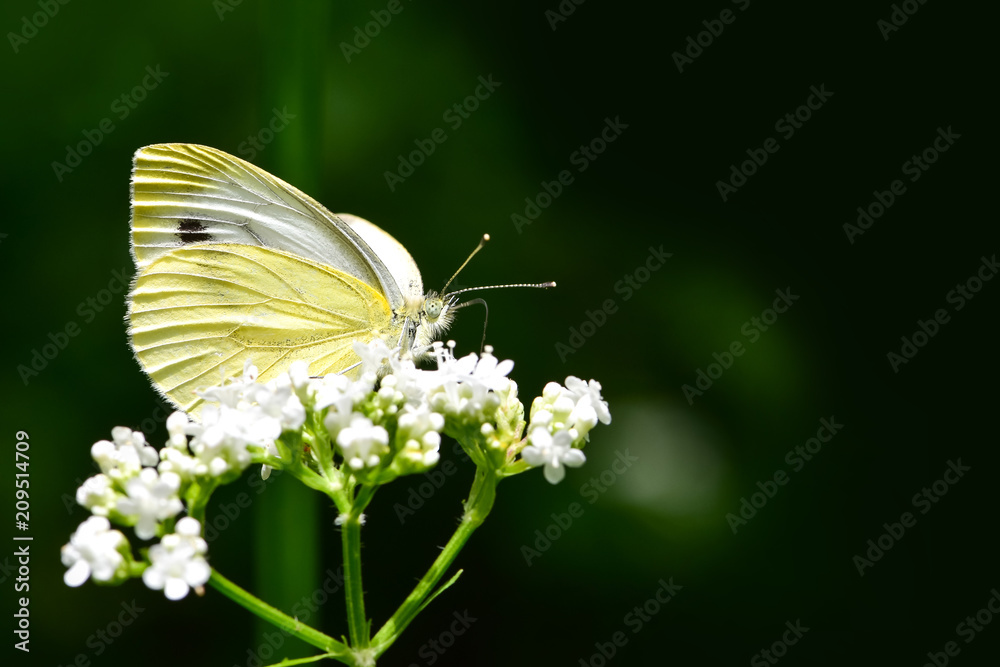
(185, 194)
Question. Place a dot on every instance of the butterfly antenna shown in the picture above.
(486, 319)
(482, 242)
(450, 295)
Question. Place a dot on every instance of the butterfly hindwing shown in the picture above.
(198, 312)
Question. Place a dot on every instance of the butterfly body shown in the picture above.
(233, 264)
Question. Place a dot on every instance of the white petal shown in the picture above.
(77, 574)
(176, 588)
(554, 473)
(574, 458)
(197, 572)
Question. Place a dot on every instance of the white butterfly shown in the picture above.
(233, 264)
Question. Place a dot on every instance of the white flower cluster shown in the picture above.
(177, 563)
(385, 422)
(561, 421)
(238, 416)
(95, 550)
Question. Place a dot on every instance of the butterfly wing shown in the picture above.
(185, 194)
(198, 312)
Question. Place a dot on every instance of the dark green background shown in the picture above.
(655, 185)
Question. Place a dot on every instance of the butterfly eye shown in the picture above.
(432, 309)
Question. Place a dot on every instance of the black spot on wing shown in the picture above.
(193, 231)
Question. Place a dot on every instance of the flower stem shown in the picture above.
(480, 502)
(276, 616)
(358, 627)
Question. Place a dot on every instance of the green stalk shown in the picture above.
(276, 616)
(358, 628)
(481, 498)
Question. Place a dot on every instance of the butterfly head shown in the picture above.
(435, 316)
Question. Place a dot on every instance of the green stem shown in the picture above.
(358, 628)
(276, 616)
(480, 502)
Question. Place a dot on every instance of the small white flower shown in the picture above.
(231, 392)
(278, 401)
(554, 452)
(469, 388)
(177, 563)
(362, 443)
(177, 426)
(220, 441)
(97, 495)
(178, 462)
(420, 431)
(94, 550)
(125, 456)
(493, 372)
(374, 355)
(589, 394)
(152, 497)
(298, 374)
(576, 408)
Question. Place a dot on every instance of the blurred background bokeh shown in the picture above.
(300, 90)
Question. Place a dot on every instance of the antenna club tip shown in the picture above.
(486, 237)
(550, 284)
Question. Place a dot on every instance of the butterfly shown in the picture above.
(235, 265)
